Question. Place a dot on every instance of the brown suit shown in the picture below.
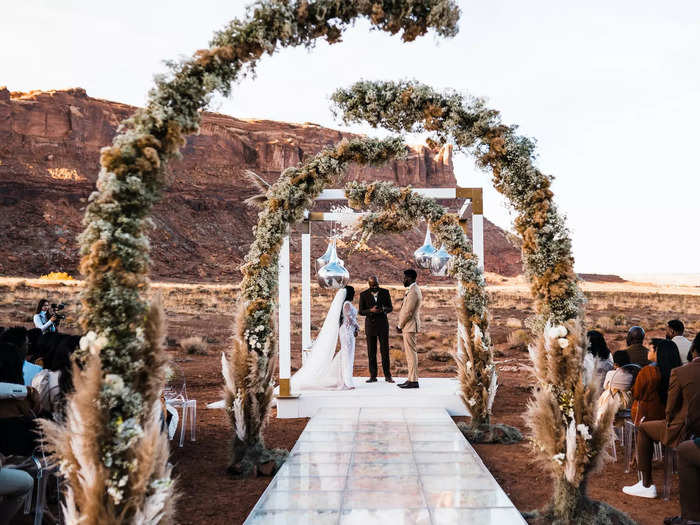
(683, 386)
(638, 354)
(410, 325)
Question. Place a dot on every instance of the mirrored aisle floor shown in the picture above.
(383, 465)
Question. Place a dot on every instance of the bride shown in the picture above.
(326, 369)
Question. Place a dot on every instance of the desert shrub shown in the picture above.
(438, 355)
(433, 336)
(519, 338)
(619, 319)
(194, 345)
(514, 322)
(606, 323)
(397, 356)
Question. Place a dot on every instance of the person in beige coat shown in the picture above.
(409, 325)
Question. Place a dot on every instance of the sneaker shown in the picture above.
(640, 490)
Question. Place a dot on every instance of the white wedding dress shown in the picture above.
(325, 369)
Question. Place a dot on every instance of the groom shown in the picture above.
(409, 325)
(375, 303)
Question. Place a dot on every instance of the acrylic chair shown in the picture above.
(175, 395)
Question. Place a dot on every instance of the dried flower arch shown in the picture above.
(568, 436)
(110, 448)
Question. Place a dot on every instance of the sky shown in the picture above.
(610, 91)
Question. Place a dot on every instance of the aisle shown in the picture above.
(383, 465)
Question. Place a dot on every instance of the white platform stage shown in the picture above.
(433, 393)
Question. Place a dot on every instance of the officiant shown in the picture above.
(375, 303)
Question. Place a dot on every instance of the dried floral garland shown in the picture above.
(396, 210)
(567, 436)
(109, 479)
(249, 367)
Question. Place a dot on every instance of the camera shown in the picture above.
(56, 310)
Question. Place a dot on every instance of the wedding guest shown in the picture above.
(375, 303)
(598, 361)
(15, 485)
(635, 348)
(683, 390)
(674, 332)
(618, 382)
(409, 325)
(17, 337)
(650, 389)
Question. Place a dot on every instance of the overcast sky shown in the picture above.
(610, 90)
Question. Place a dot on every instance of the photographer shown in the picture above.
(47, 318)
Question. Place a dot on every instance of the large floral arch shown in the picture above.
(110, 448)
(568, 436)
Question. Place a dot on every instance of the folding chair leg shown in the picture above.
(40, 499)
(193, 420)
(183, 424)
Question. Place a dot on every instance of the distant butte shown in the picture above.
(49, 160)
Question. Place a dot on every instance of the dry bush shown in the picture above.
(433, 336)
(619, 319)
(514, 322)
(438, 355)
(194, 345)
(519, 338)
(397, 356)
(605, 323)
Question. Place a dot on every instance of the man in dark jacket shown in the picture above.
(635, 348)
(375, 303)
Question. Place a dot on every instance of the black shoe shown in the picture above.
(403, 385)
(388, 380)
(410, 384)
(371, 380)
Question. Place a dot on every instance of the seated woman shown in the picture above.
(597, 361)
(650, 389)
(17, 426)
(54, 382)
(618, 383)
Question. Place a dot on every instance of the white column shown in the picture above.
(305, 288)
(284, 310)
(478, 237)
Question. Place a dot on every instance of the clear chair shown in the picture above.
(630, 438)
(670, 468)
(175, 395)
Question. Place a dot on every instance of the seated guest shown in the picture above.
(55, 381)
(43, 319)
(635, 348)
(682, 385)
(674, 332)
(14, 486)
(618, 382)
(17, 436)
(17, 337)
(597, 362)
(651, 386)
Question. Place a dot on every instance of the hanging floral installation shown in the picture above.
(249, 367)
(396, 210)
(566, 435)
(110, 448)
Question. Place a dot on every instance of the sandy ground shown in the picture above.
(209, 495)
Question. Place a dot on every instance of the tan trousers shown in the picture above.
(409, 347)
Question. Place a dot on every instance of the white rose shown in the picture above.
(563, 342)
(557, 331)
(87, 340)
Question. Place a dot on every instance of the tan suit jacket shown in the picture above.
(683, 386)
(409, 316)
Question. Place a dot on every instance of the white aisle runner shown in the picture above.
(396, 466)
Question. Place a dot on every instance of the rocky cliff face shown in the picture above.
(49, 160)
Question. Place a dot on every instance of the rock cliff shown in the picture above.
(49, 157)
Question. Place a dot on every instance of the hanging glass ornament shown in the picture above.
(424, 254)
(326, 257)
(440, 262)
(333, 274)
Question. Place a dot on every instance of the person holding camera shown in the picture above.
(45, 318)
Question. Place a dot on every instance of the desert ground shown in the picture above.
(209, 495)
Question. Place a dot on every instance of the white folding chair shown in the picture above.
(175, 394)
